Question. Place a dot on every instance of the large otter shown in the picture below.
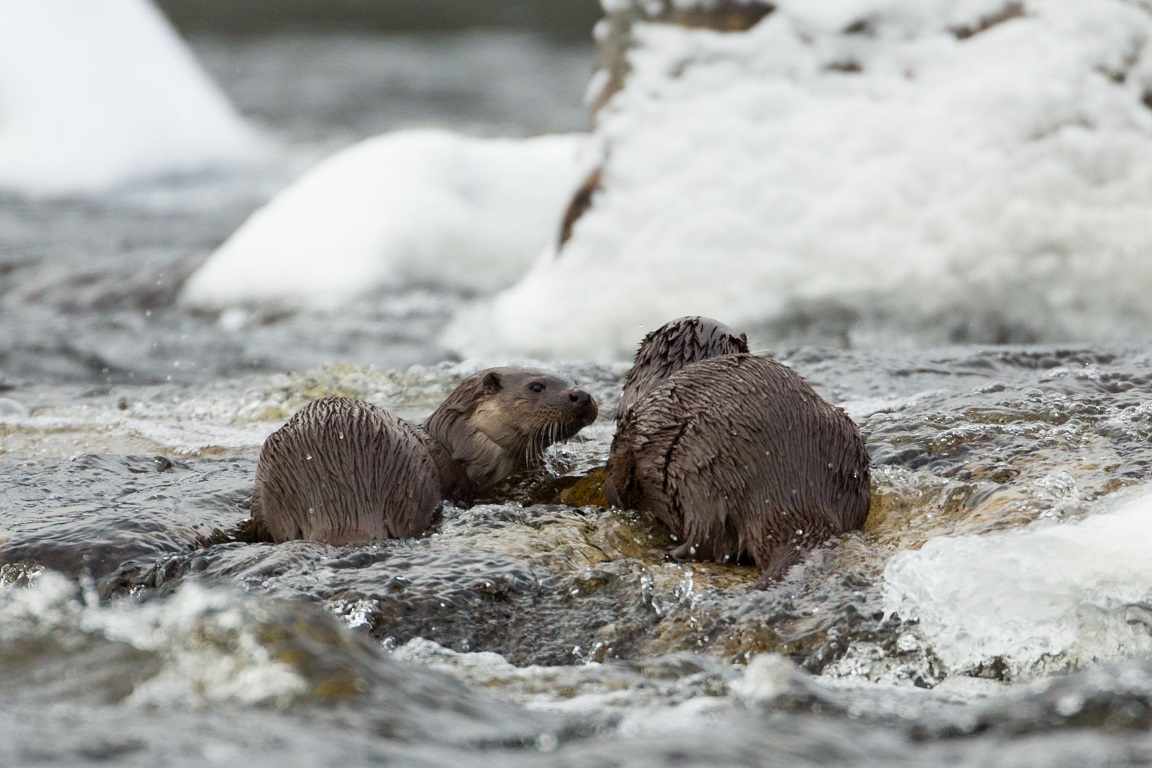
(343, 470)
(738, 456)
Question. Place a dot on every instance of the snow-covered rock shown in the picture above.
(885, 171)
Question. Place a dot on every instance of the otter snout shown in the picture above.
(584, 404)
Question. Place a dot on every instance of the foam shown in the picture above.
(213, 653)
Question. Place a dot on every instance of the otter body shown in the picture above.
(740, 458)
(331, 472)
(343, 470)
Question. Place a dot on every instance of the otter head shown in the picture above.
(675, 345)
(500, 420)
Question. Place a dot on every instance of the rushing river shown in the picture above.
(996, 610)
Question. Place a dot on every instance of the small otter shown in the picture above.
(739, 457)
(343, 470)
(672, 346)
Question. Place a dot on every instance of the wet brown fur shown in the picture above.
(740, 458)
(672, 346)
(343, 470)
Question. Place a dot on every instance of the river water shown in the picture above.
(994, 612)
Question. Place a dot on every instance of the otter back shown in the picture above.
(739, 456)
(343, 470)
(673, 346)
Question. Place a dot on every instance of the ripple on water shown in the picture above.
(209, 647)
(965, 441)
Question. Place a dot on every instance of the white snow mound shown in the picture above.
(426, 207)
(98, 94)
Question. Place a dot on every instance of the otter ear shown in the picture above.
(492, 382)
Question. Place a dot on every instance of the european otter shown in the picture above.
(343, 470)
(740, 458)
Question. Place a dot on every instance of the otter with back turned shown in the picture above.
(738, 456)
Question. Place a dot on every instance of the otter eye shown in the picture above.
(536, 387)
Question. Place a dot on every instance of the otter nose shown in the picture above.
(584, 406)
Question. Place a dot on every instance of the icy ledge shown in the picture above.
(1063, 594)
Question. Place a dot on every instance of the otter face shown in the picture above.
(526, 410)
(500, 420)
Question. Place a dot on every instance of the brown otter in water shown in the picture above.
(740, 457)
(343, 470)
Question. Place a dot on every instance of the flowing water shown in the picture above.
(995, 611)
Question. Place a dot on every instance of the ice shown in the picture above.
(929, 171)
(425, 207)
(99, 94)
(1074, 592)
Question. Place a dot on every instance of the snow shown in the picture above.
(882, 171)
(890, 165)
(1079, 590)
(424, 206)
(98, 94)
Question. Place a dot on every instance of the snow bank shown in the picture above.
(905, 170)
(1078, 591)
(96, 94)
(413, 207)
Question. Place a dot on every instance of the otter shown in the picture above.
(343, 470)
(739, 457)
(672, 346)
